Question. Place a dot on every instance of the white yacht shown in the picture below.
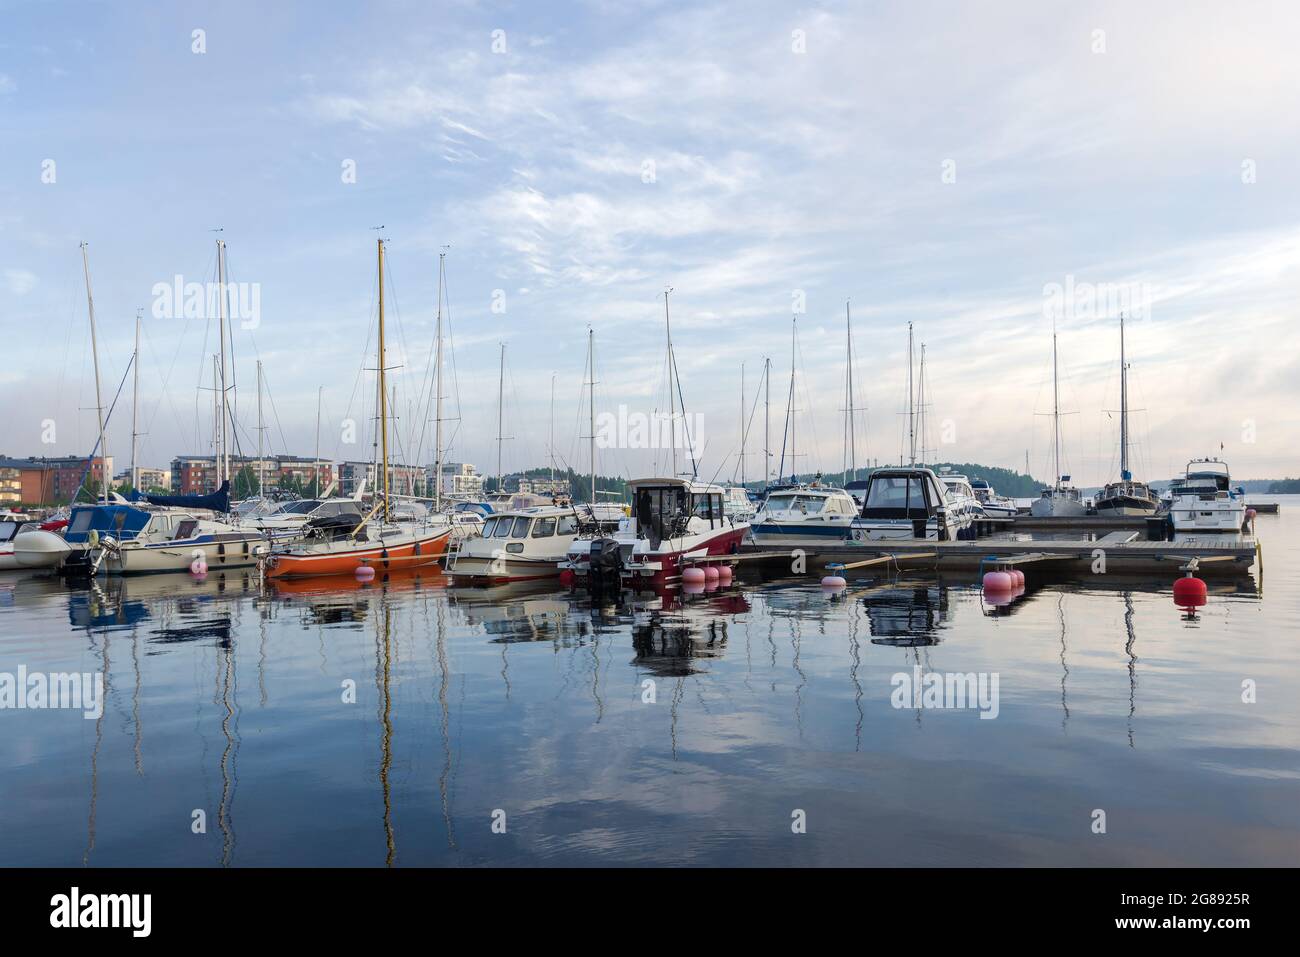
(524, 544)
(803, 511)
(992, 504)
(1206, 501)
(909, 502)
(282, 520)
(121, 539)
(962, 501)
(737, 504)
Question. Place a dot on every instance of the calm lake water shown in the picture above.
(701, 732)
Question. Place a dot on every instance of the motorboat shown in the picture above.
(909, 503)
(677, 519)
(804, 511)
(963, 504)
(737, 504)
(128, 539)
(991, 503)
(9, 532)
(526, 544)
(1206, 501)
(285, 520)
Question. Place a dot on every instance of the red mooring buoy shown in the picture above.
(1189, 592)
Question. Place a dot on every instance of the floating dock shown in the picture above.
(1226, 556)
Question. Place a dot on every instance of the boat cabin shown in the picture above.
(669, 508)
(902, 495)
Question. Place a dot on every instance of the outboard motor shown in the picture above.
(606, 564)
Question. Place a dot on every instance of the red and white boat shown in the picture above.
(676, 520)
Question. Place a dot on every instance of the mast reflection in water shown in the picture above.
(385, 724)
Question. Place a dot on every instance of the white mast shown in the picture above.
(742, 424)
(437, 424)
(591, 405)
(1123, 406)
(99, 402)
(501, 396)
(221, 328)
(852, 447)
(767, 420)
(261, 479)
(911, 413)
(672, 408)
(1056, 420)
(551, 443)
(135, 405)
(920, 404)
(316, 476)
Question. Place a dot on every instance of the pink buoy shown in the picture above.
(1250, 514)
(199, 566)
(724, 575)
(365, 573)
(834, 581)
(998, 582)
(693, 575)
(999, 599)
(1019, 577)
(711, 573)
(693, 588)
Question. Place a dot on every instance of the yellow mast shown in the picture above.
(383, 391)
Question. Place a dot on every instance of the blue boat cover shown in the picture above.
(218, 501)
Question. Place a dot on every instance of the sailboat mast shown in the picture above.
(672, 407)
(316, 479)
(911, 420)
(1123, 405)
(551, 443)
(767, 420)
(99, 402)
(437, 425)
(383, 391)
(591, 407)
(794, 462)
(221, 329)
(501, 395)
(742, 423)
(1056, 419)
(261, 427)
(135, 406)
(920, 403)
(852, 449)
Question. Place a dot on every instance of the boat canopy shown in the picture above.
(697, 488)
(902, 494)
(121, 521)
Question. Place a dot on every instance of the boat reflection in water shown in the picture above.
(907, 614)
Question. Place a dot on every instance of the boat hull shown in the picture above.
(410, 553)
(1126, 505)
(663, 566)
(502, 569)
(39, 549)
(1057, 507)
(220, 552)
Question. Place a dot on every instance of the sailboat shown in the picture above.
(1125, 497)
(1061, 499)
(341, 545)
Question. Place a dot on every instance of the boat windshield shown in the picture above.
(661, 511)
(896, 496)
(802, 503)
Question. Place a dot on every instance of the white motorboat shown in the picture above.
(963, 504)
(991, 503)
(9, 532)
(803, 511)
(909, 502)
(286, 520)
(1206, 501)
(676, 520)
(122, 539)
(525, 544)
(737, 504)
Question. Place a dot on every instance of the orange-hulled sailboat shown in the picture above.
(340, 545)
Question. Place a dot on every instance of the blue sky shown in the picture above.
(939, 163)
